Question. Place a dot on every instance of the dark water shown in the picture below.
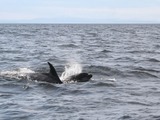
(124, 61)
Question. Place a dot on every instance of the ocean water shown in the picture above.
(123, 59)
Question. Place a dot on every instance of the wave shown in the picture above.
(147, 70)
(155, 117)
(104, 84)
(138, 103)
(139, 72)
(69, 46)
(17, 74)
(125, 117)
(125, 59)
(153, 60)
(106, 51)
(142, 74)
(107, 71)
(141, 52)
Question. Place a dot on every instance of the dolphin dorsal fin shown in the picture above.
(52, 70)
(54, 73)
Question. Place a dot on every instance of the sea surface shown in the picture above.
(123, 59)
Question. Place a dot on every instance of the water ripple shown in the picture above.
(127, 53)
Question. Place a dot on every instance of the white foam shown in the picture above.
(112, 79)
(21, 72)
(71, 68)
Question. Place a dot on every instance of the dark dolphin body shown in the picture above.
(81, 77)
(52, 76)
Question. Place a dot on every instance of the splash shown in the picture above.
(71, 68)
(112, 79)
(21, 72)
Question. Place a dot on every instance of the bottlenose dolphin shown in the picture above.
(52, 76)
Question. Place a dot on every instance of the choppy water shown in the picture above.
(124, 61)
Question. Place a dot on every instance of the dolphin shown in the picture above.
(52, 76)
(81, 77)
